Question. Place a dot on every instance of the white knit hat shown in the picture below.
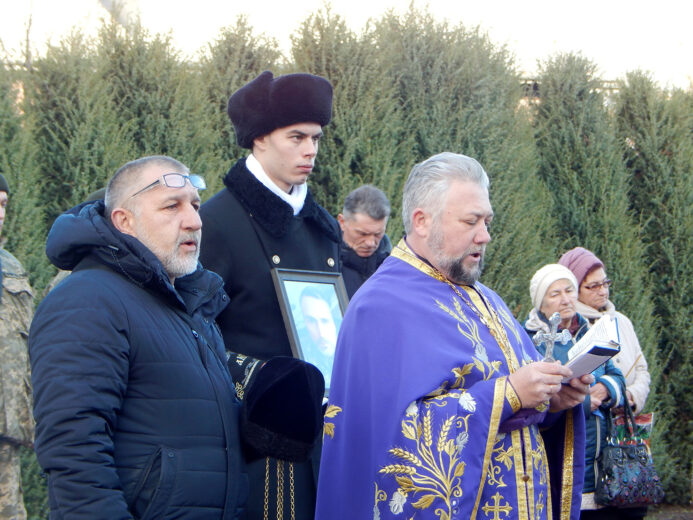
(544, 277)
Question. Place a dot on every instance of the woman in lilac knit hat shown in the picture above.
(593, 303)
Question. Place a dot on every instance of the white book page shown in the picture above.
(603, 332)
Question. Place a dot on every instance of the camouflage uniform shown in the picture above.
(16, 420)
(59, 277)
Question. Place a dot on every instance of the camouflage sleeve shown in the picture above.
(16, 310)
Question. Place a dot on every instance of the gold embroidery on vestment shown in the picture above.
(498, 402)
(546, 474)
(502, 456)
(497, 508)
(568, 455)
(520, 475)
(512, 397)
(330, 413)
(408, 473)
(529, 468)
(434, 471)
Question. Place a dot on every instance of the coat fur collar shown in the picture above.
(269, 211)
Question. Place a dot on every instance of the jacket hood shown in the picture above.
(84, 232)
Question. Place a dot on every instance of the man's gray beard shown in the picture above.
(452, 267)
(178, 265)
(175, 263)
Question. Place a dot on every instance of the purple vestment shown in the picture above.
(421, 422)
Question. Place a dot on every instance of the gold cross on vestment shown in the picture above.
(496, 508)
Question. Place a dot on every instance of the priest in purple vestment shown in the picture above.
(440, 407)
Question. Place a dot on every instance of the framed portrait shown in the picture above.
(313, 305)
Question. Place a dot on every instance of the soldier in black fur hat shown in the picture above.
(266, 218)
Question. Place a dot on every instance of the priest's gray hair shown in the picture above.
(367, 200)
(428, 183)
(124, 181)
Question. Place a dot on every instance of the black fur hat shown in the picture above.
(3, 184)
(268, 103)
(281, 415)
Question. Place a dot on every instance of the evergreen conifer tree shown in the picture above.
(141, 73)
(581, 164)
(80, 140)
(236, 56)
(655, 127)
(458, 92)
(192, 140)
(18, 164)
(366, 139)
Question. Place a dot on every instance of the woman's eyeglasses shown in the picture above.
(598, 285)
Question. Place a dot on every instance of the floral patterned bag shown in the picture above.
(626, 476)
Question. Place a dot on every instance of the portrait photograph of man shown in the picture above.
(317, 315)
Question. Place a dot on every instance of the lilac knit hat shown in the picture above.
(581, 262)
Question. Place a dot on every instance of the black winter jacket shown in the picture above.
(356, 269)
(135, 408)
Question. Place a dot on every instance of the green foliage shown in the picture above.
(580, 162)
(409, 87)
(364, 143)
(655, 128)
(25, 212)
(565, 169)
(34, 486)
(140, 75)
(74, 123)
(235, 57)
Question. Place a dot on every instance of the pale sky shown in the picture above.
(617, 35)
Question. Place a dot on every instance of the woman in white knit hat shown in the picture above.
(554, 288)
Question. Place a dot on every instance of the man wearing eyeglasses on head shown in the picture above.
(593, 303)
(136, 414)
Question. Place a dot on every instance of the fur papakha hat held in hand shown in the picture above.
(281, 414)
(268, 103)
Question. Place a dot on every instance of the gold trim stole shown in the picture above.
(568, 461)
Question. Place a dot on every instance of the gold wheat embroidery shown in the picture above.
(330, 413)
(433, 470)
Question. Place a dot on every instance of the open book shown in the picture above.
(600, 343)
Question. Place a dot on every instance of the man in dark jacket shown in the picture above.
(136, 415)
(266, 218)
(364, 243)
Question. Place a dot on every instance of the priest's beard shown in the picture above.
(452, 266)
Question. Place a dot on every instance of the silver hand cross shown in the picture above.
(550, 337)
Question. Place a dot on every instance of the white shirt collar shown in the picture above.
(295, 199)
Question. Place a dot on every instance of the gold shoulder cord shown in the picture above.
(280, 489)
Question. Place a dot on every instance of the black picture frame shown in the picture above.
(313, 304)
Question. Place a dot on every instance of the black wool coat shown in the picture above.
(247, 231)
